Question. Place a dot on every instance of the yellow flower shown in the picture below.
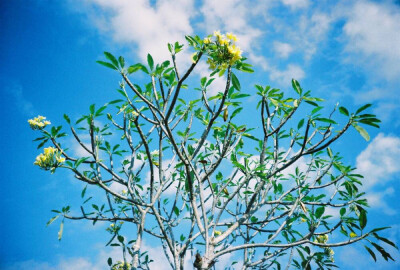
(322, 239)
(207, 40)
(60, 159)
(217, 33)
(49, 150)
(211, 63)
(353, 234)
(38, 122)
(121, 266)
(223, 41)
(49, 159)
(232, 37)
(194, 57)
(217, 233)
(134, 114)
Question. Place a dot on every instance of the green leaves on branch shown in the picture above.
(150, 61)
(366, 119)
(137, 67)
(235, 82)
(362, 131)
(344, 111)
(115, 64)
(175, 48)
(296, 87)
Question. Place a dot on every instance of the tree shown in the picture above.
(208, 195)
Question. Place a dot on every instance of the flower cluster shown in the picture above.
(121, 266)
(114, 228)
(322, 239)
(50, 159)
(38, 122)
(222, 51)
(330, 253)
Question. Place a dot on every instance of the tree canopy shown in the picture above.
(179, 164)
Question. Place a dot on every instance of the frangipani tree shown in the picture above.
(183, 168)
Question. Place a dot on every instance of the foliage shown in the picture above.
(185, 169)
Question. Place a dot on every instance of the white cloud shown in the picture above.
(306, 32)
(284, 77)
(294, 4)
(376, 200)
(282, 49)
(311, 32)
(63, 264)
(364, 261)
(142, 24)
(20, 102)
(235, 16)
(379, 161)
(379, 165)
(372, 31)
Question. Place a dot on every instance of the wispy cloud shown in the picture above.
(24, 106)
(295, 4)
(372, 37)
(379, 165)
(145, 26)
(284, 77)
(282, 49)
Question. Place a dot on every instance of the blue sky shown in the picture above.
(344, 51)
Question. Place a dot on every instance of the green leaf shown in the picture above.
(137, 67)
(176, 211)
(115, 101)
(111, 57)
(317, 109)
(235, 82)
(300, 124)
(344, 111)
(121, 239)
(387, 241)
(106, 64)
(362, 132)
(312, 103)
(60, 232)
(52, 220)
(371, 252)
(382, 251)
(121, 61)
(325, 120)
(150, 61)
(83, 192)
(91, 108)
(109, 261)
(99, 111)
(319, 212)
(79, 161)
(67, 119)
(362, 108)
(236, 111)
(296, 86)
(379, 229)
(370, 122)
(330, 154)
(362, 218)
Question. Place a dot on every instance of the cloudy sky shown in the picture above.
(344, 51)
